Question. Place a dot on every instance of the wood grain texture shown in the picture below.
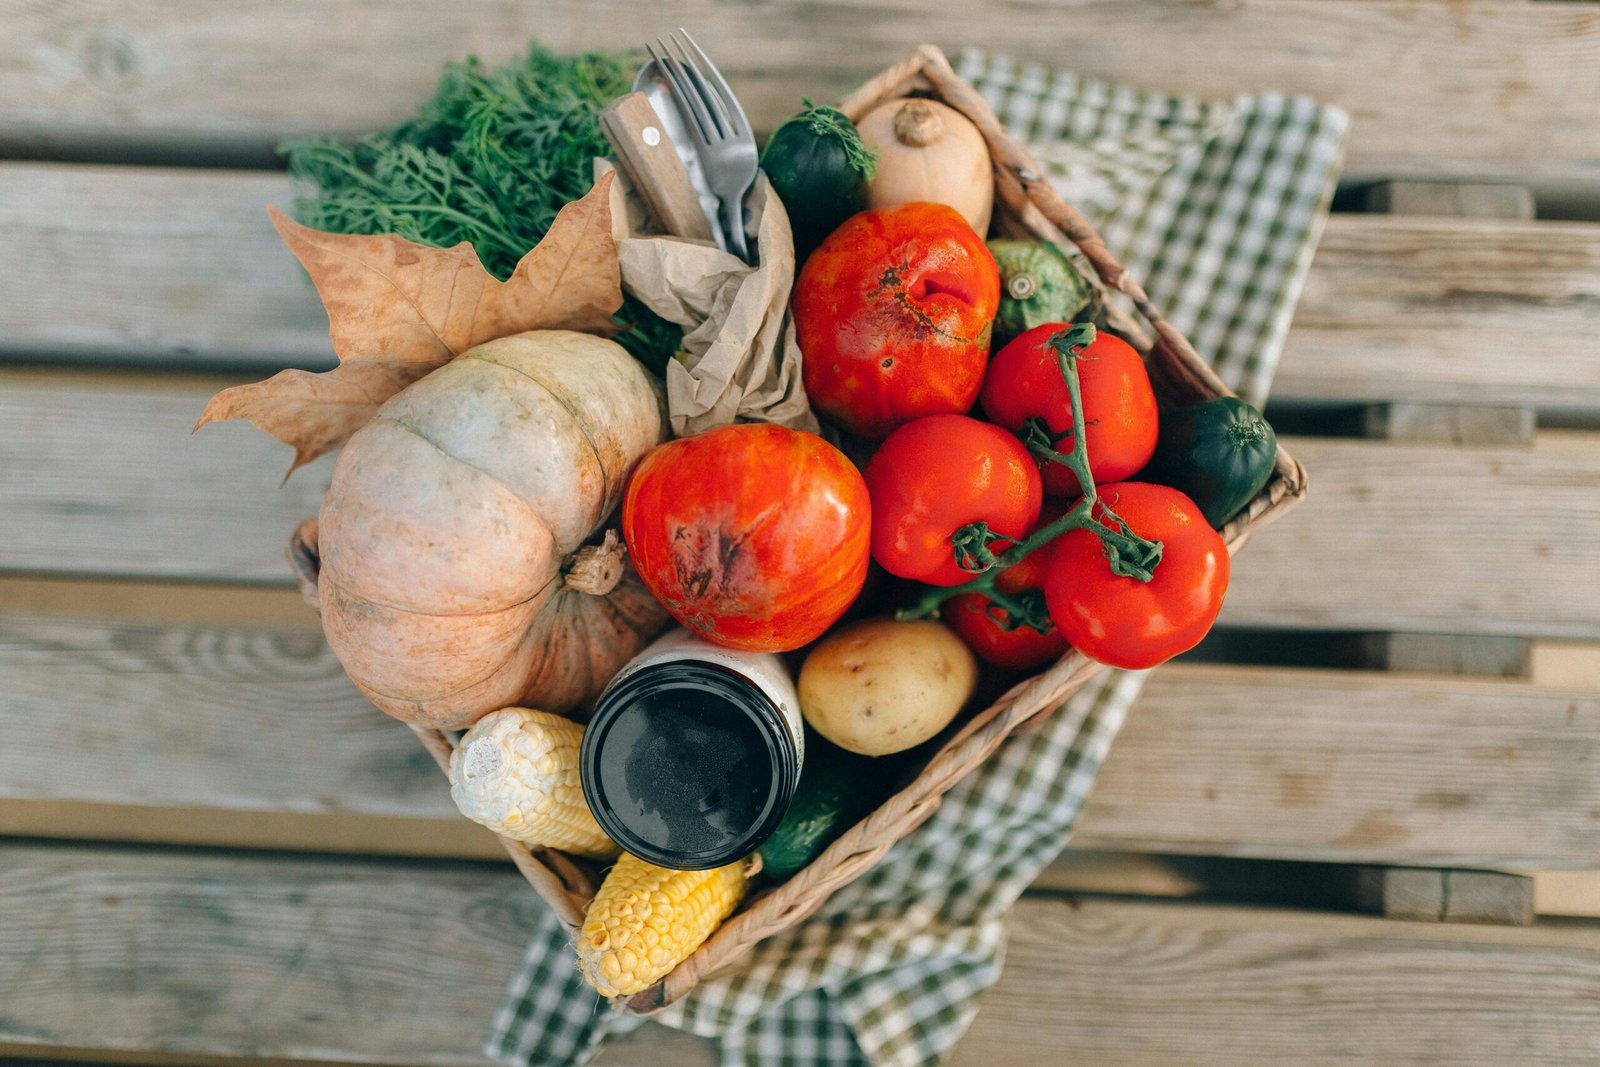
(1351, 766)
(1476, 87)
(1444, 894)
(224, 956)
(226, 735)
(228, 956)
(125, 259)
(107, 484)
(1421, 309)
(1399, 537)
(1133, 984)
(102, 481)
(185, 268)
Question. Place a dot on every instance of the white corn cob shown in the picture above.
(516, 772)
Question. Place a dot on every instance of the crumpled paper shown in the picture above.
(739, 360)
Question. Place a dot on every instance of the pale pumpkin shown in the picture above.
(929, 151)
(447, 539)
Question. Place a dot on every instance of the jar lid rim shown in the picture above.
(760, 708)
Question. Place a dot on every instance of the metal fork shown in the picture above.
(717, 127)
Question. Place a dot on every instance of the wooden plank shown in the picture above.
(1475, 200)
(226, 735)
(109, 484)
(1448, 311)
(1503, 657)
(1135, 983)
(1574, 893)
(215, 956)
(1475, 88)
(149, 261)
(1351, 767)
(113, 482)
(185, 269)
(1458, 424)
(231, 957)
(1400, 537)
(1433, 894)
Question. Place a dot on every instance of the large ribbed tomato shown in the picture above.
(893, 314)
(1119, 407)
(754, 536)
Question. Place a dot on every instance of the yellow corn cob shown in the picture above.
(516, 772)
(647, 919)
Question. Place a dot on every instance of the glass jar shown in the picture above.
(693, 752)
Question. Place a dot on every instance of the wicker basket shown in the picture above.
(1025, 205)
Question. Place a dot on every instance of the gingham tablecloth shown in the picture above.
(1217, 208)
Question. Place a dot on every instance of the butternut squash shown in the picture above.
(929, 151)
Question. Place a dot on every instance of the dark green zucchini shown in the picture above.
(836, 788)
(820, 169)
(1220, 452)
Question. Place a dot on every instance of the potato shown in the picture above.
(880, 686)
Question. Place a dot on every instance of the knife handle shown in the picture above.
(647, 156)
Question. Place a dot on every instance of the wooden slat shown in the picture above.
(1478, 87)
(1351, 766)
(1406, 537)
(229, 735)
(102, 481)
(183, 267)
(222, 956)
(1129, 984)
(1393, 537)
(1448, 310)
(216, 957)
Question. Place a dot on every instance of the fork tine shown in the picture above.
(724, 124)
(741, 124)
(682, 93)
(687, 94)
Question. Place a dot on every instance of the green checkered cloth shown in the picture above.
(1217, 208)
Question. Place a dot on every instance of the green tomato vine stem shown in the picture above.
(1127, 554)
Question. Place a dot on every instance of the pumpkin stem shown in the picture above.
(918, 124)
(596, 569)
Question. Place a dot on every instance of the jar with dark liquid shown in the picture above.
(693, 753)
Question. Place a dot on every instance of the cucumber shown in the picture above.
(835, 790)
(1219, 451)
(820, 169)
(1038, 284)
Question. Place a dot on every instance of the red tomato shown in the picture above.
(754, 536)
(893, 314)
(1021, 647)
(933, 477)
(1119, 407)
(1125, 622)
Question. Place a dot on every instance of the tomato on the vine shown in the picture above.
(1119, 408)
(947, 489)
(754, 536)
(1122, 621)
(893, 315)
(996, 634)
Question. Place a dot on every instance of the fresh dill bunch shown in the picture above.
(489, 160)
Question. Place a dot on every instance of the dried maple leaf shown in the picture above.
(397, 310)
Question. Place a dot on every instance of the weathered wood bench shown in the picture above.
(214, 851)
